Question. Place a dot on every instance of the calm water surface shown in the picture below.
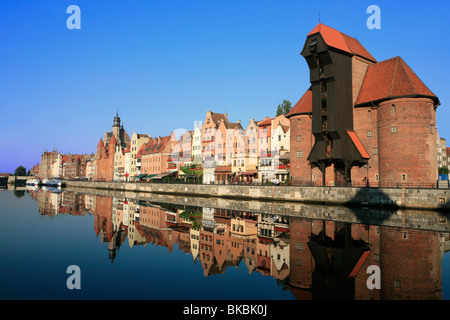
(133, 249)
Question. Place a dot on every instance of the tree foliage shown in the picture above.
(284, 107)
(20, 171)
(443, 170)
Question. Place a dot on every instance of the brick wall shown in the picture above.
(301, 142)
(407, 141)
(365, 126)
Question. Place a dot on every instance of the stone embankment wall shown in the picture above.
(430, 199)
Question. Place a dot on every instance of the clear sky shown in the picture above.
(163, 63)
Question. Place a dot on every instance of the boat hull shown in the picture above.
(52, 182)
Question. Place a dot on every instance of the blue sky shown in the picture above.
(162, 64)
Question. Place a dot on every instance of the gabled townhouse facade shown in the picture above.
(197, 144)
(137, 140)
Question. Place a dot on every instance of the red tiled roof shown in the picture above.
(336, 39)
(153, 147)
(391, 79)
(448, 151)
(266, 121)
(304, 105)
(100, 143)
(139, 153)
(362, 151)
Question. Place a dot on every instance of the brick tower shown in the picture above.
(404, 121)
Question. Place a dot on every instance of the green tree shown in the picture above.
(443, 170)
(284, 107)
(20, 171)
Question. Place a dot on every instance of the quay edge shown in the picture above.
(386, 198)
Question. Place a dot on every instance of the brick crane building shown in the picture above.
(361, 120)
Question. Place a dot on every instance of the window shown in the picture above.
(403, 177)
(369, 134)
(374, 151)
(394, 129)
(393, 109)
(299, 138)
(431, 129)
(300, 154)
(377, 178)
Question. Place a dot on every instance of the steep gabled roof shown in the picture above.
(265, 122)
(391, 79)
(113, 140)
(232, 125)
(303, 106)
(218, 117)
(338, 40)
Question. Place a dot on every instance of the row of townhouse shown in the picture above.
(67, 166)
(216, 151)
(221, 150)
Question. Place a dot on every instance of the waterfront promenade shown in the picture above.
(387, 198)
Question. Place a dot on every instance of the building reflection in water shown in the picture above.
(313, 258)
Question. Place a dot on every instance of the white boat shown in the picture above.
(52, 182)
(32, 187)
(51, 189)
(33, 182)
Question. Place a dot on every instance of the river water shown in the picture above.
(81, 244)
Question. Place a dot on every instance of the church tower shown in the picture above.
(116, 126)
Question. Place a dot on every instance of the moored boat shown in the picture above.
(33, 182)
(52, 182)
